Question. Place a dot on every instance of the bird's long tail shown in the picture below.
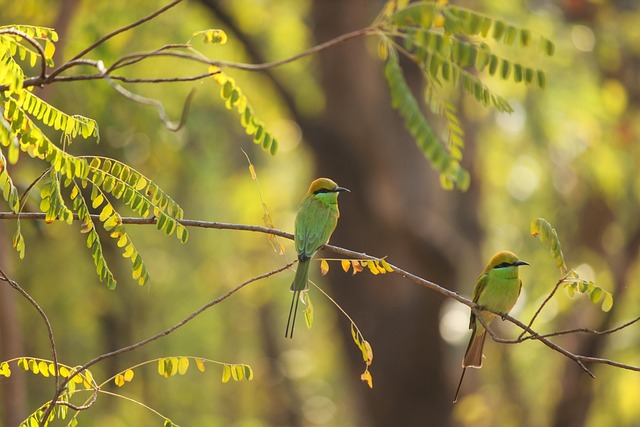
(473, 355)
(300, 283)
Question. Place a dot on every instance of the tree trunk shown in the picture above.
(396, 208)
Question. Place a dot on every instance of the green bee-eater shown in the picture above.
(317, 218)
(497, 289)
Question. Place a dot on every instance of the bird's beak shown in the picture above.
(338, 189)
(519, 262)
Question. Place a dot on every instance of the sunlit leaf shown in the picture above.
(324, 267)
(226, 373)
(183, 365)
(366, 377)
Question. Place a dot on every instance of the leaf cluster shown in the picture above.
(22, 115)
(573, 283)
(84, 381)
(450, 45)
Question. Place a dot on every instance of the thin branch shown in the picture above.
(125, 28)
(149, 101)
(164, 332)
(585, 331)
(83, 407)
(134, 58)
(77, 60)
(52, 343)
(576, 358)
(546, 300)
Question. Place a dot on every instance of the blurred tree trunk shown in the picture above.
(396, 208)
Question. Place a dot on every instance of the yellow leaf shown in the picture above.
(367, 353)
(345, 264)
(382, 50)
(129, 251)
(119, 380)
(64, 372)
(200, 365)
(174, 365)
(324, 267)
(183, 365)
(161, 367)
(608, 302)
(128, 375)
(237, 372)
(49, 49)
(386, 265)
(439, 21)
(44, 368)
(252, 170)
(372, 268)
(357, 268)
(366, 377)
(308, 312)
(226, 373)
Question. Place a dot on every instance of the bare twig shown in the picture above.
(546, 300)
(133, 58)
(584, 331)
(125, 28)
(52, 343)
(149, 101)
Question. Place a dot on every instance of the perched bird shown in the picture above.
(316, 219)
(497, 289)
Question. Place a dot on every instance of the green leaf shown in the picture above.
(596, 294)
(253, 126)
(403, 100)
(541, 229)
(607, 303)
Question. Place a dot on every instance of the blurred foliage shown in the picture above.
(568, 154)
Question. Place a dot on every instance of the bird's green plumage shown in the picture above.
(496, 290)
(316, 219)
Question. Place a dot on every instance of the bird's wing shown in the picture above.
(520, 286)
(481, 283)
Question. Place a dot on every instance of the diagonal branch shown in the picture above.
(579, 359)
(159, 335)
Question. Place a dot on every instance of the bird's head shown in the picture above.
(323, 186)
(504, 259)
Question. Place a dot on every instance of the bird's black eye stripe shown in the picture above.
(503, 265)
(322, 190)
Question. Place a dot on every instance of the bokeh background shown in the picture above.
(568, 154)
